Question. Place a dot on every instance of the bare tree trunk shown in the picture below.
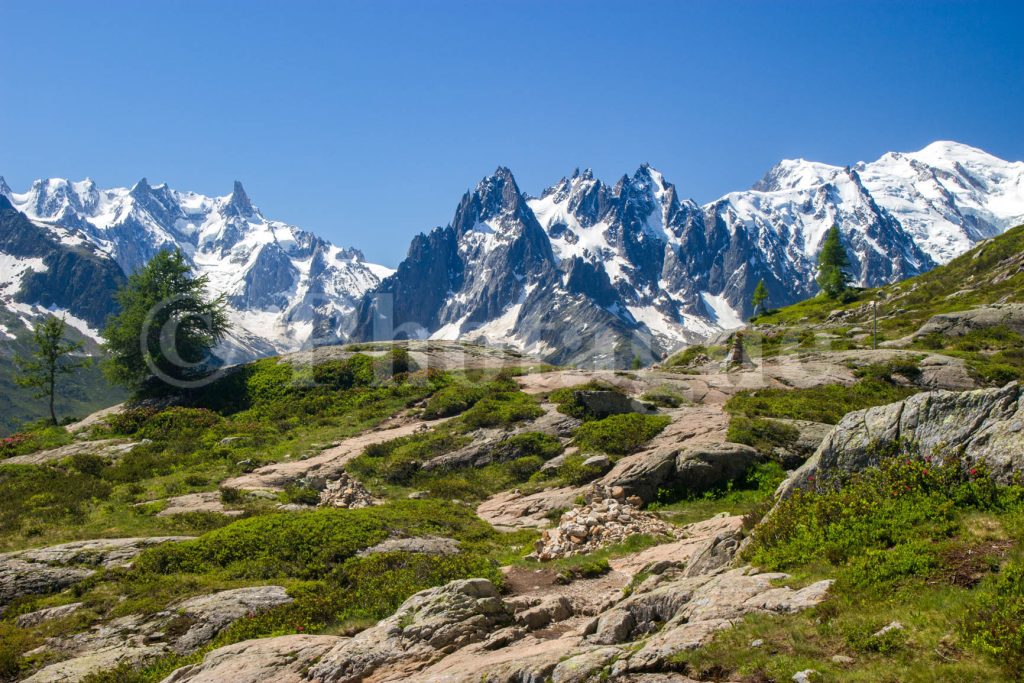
(53, 383)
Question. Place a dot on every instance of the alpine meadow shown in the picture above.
(404, 415)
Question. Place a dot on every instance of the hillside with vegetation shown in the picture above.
(441, 511)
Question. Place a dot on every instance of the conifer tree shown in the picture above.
(166, 326)
(832, 263)
(51, 358)
(760, 298)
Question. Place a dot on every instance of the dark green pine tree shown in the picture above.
(166, 326)
(51, 358)
(760, 298)
(832, 264)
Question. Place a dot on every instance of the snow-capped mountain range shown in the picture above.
(590, 269)
(587, 271)
(285, 287)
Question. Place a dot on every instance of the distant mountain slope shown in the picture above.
(990, 273)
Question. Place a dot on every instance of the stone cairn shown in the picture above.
(345, 492)
(607, 517)
(736, 358)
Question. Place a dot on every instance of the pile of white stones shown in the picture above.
(607, 517)
(345, 492)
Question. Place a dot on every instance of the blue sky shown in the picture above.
(366, 121)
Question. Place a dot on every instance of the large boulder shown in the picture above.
(642, 474)
(706, 466)
(685, 611)
(601, 403)
(427, 626)
(695, 468)
(963, 322)
(986, 425)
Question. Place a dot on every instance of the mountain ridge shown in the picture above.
(632, 267)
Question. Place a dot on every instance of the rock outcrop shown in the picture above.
(282, 660)
(205, 501)
(514, 510)
(180, 629)
(427, 626)
(963, 322)
(681, 595)
(427, 545)
(46, 570)
(986, 425)
(104, 448)
(692, 609)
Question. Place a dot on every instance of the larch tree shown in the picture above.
(832, 264)
(166, 328)
(52, 356)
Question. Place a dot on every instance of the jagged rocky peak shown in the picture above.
(140, 188)
(238, 203)
(496, 202)
(5, 189)
(350, 254)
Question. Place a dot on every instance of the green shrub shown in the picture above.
(355, 371)
(379, 583)
(996, 625)
(761, 433)
(620, 434)
(828, 403)
(867, 638)
(393, 364)
(452, 400)
(397, 461)
(301, 495)
(307, 545)
(687, 356)
(267, 380)
(38, 438)
(573, 471)
(523, 468)
(666, 397)
(231, 496)
(906, 368)
(501, 410)
(543, 446)
(46, 495)
(905, 499)
(13, 641)
(179, 424)
(130, 420)
(88, 464)
(149, 460)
